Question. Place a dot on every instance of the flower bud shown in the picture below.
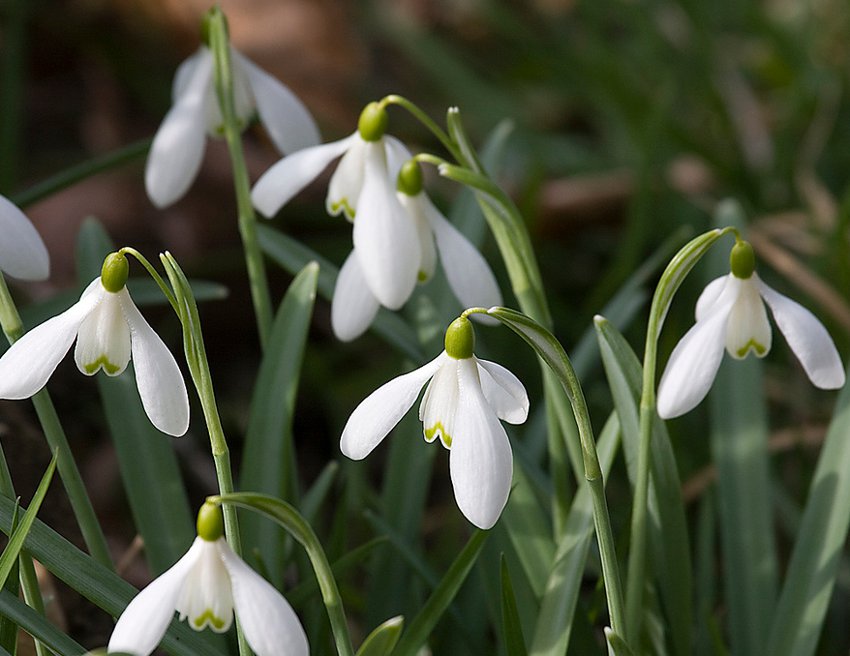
(113, 275)
(373, 122)
(410, 178)
(742, 260)
(460, 339)
(210, 522)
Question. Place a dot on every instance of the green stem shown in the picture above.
(55, 436)
(426, 120)
(233, 135)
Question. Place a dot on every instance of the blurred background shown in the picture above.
(630, 120)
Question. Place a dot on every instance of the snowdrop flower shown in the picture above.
(109, 329)
(206, 586)
(178, 146)
(22, 252)
(385, 238)
(354, 305)
(730, 313)
(462, 406)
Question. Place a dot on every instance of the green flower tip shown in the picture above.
(113, 275)
(460, 339)
(210, 522)
(742, 260)
(207, 23)
(373, 122)
(410, 178)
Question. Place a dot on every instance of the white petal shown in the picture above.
(103, 338)
(428, 250)
(206, 598)
(710, 295)
(244, 104)
(384, 235)
(438, 409)
(748, 328)
(480, 463)
(268, 622)
(178, 146)
(289, 124)
(29, 362)
(468, 273)
(185, 72)
(379, 412)
(158, 377)
(353, 307)
(696, 358)
(397, 155)
(144, 621)
(503, 391)
(808, 339)
(22, 252)
(281, 182)
(347, 181)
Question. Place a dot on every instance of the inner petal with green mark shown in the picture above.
(439, 404)
(208, 617)
(748, 328)
(759, 349)
(438, 430)
(103, 339)
(342, 205)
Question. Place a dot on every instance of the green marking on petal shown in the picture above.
(92, 367)
(422, 276)
(343, 206)
(431, 434)
(760, 349)
(208, 617)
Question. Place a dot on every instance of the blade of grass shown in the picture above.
(383, 639)
(511, 624)
(37, 626)
(269, 463)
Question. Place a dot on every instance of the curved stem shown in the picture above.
(424, 119)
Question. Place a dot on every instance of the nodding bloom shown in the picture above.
(395, 231)
(462, 405)
(178, 146)
(108, 329)
(22, 252)
(731, 313)
(206, 586)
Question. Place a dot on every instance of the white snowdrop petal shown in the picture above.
(103, 338)
(178, 147)
(347, 180)
(282, 181)
(709, 296)
(146, 618)
(379, 412)
(503, 391)
(696, 359)
(286, 119)
(29, 362)
(748, 329)
(384, 235)
(468, 273)
(158, 378)
(353, 307)
(438, 409)
(206, 599)
(268, 622)
(22, 252)
(428, 250)
(807, 338)
(397, 155)
(480, 462)
(185, 71)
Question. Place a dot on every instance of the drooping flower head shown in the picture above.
(731, 314)
(462, 405)
(108, 329)
(22, 252)
(178, 146)
(206, 586)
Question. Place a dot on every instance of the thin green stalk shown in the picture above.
(220, 46)
(55, 436)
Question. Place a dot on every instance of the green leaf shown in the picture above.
(668, 535)
(268, 463)
(423, 624)
(383, 639)
(9, 558)
(812, 572)
(39, 627)
(511, 624)
(8, 629)
(292, 256)
(616, 645)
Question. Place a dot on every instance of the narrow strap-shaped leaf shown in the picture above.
(803, 602)
(421, 626)
(293, 256)
(8, 629)
(95, 582)
(668, 532)
(38, 626)
(511, 624)
(268, 463)
(383, 639)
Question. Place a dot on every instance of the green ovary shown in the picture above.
(104, 362)
(445, 438)
(755, 346)
(208, 616)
